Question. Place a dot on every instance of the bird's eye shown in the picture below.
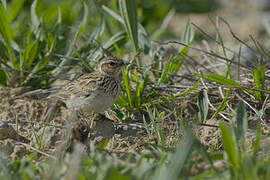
(112, 63)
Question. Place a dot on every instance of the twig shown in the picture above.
(67, 57)
(208, 53)
(211, 38)
(209, 125)
(253, 89)
(235, 36)
(45, 124)
(255, 110)
(259, 47)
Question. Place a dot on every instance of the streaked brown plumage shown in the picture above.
(94, 92)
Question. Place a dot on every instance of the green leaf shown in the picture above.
(52, 17)
(257, 142)
(127, 84)
(98, 31)
(4, 2)
(83, 24)
(164, 72)
(177, 60)
(103, 144)
(189, 90)
(137, 93)
(113, 14)
(221, 80)
(177, 160)
(183, 52)
(259, 80)
(115, 39)
(14, 9)
(34, 17)
(165, 23)
(5, 32)
(41, 64)
(188, 36)
(81, 28)
(203, 105)
(143, 37)
(3, 78)
(29, 54)
(241, 118)
(110, 45)
(230, 145)
(116, 175)
(128, 9)
(142, 87)
(144, 40)
(206, 155)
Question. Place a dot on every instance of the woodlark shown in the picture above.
(94, 92)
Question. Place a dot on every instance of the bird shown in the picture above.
(95, 92)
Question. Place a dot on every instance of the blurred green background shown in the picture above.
(33, 32)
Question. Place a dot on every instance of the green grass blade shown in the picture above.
(142, 87)
(158, 130)
(220, 79)
(34, 17)
(139, 87)
(164, 25)
(257, 141)
(241, 119)
(52, 17)
(206, 155)
(128, 9)
(189, 90)
(137, 93)
(15, 9)
(115, 39)
(127, 84)
(41, 63)
(29, 54)
(110, 45)
(143, 37)
(203, 105)
(3, 78)
(80, 30)
(259, 80)
(178, 59)
(222, 106)
(83, 24)
(188, 36)
(113, 14)
(5, 32)
(144, 40)
(177, 160)
(230, 145)
(98, 31)
(77, 35)
(164, 73)
(4, 2)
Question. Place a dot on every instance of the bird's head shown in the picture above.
(111, 66)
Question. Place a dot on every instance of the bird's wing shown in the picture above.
(82, 87)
